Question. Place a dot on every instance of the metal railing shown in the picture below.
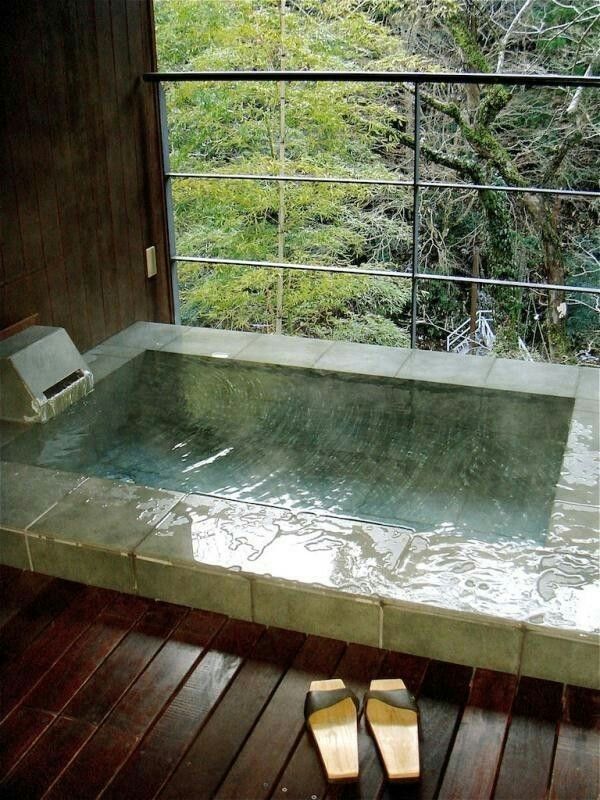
(417, 183)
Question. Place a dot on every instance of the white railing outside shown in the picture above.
(481, 340)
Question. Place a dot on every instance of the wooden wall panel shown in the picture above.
(80, 167)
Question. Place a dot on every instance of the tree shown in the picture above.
(486, 135)
(491, 123)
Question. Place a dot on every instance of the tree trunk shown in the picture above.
(545, 214)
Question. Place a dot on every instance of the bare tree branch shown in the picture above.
(505, 39)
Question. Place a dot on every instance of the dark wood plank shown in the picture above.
(281, 723)
(100, 758)
(65, 168)
(83, 155)
(475, 756)
(17, 734)
(160, 287)
(529, 748)
(17, 143)
(412, 670)
(7, 574)
(14, 596)
(576, 772)
(303, 775)
(20, 631)
(443, 693)
(112, 679)
(10, 232)
(214, 750)
(11, 330)
(161, 750)
(37, 97)
(24, 672)
(79, 663)
(99, 95)
(125, 47)
(44, 761)
(122, 255)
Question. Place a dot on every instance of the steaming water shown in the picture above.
(407, 453)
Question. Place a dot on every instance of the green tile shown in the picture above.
(103, 365)
(572, 523)
(464, 640)
(292, 351)
(89, 565)
(524, 376)
(558, 658)
(27, 491)
(331, 614)
(115, 350)
(207, 589)
(588, 386)
(363, 359)
(217, 532)
(107, 514)
(439, 367)
(145, 335)
(13, 549)
(210, 342)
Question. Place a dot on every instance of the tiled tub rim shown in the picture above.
(312, 587)
(580, 386)
(558, 380)
(511, 655)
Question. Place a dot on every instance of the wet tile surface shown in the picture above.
(210, 342)
(559, 658)
(27, 491)
(588, 386)
(426, 365)
(362, 359)
(523, 376)
(461, 641)
(332, 615)
(552, 582)
(510, 573)
(103, 365)
(107, 513)
(92, 566)
(580, 470)
(144, 335)
(289, 350)
(13, 549)
(213, 591)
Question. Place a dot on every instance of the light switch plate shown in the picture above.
(151, 261)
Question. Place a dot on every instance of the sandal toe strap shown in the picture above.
(319, 700)
(397, 698)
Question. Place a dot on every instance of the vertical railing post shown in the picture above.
(282, 137)
(416, 215)
(168, 189)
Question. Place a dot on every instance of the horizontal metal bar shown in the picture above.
(239, 176)
(509, 79)
(241, 262)
(383, 273)
(559, 287)
(513, 189)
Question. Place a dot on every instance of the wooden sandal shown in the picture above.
(331, 713)
(393, 718)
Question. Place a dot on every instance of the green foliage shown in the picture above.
(331, 128)
(364, 130)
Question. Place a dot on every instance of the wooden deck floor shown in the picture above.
(113, 695)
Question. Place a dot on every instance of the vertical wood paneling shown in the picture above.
(81, 197)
